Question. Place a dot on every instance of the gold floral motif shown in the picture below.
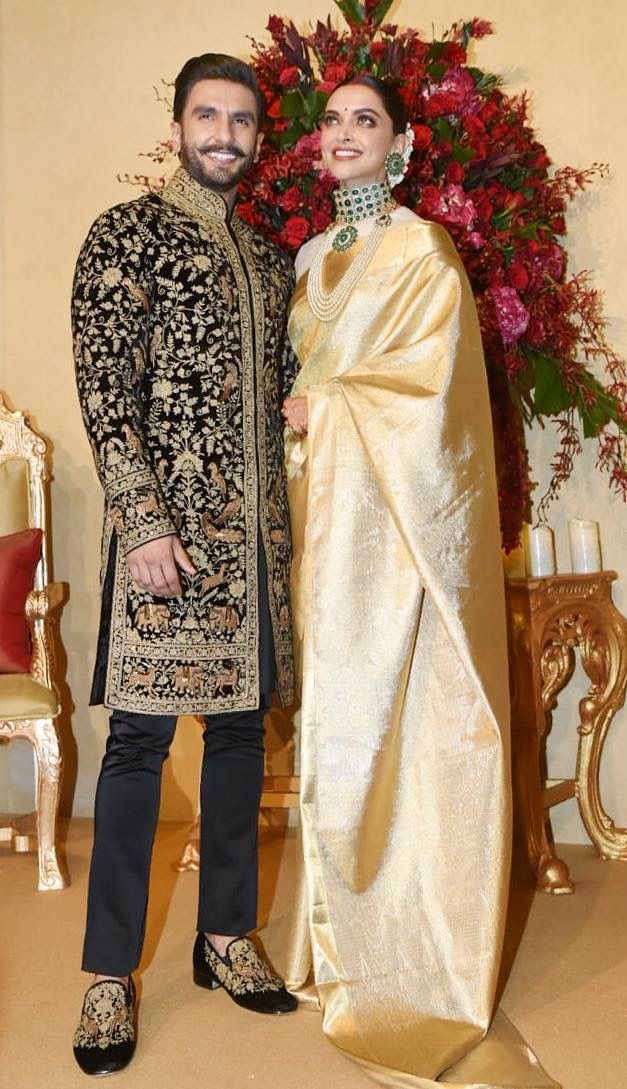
(193, 447)
(107, 1017)
(244, 972)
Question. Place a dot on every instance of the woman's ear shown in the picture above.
(400, 142)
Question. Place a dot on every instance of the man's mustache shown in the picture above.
(230, 149)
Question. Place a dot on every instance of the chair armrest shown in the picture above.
(40, 604)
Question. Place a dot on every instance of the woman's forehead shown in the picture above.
(355, 97)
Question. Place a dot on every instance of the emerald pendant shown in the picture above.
(345, 238)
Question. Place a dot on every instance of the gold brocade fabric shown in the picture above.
(399, 615)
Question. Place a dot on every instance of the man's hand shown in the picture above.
(154, 566)
(296, 414)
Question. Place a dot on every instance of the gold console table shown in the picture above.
(548, 618)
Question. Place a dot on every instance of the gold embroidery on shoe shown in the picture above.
(245, 973)
(106, 1018)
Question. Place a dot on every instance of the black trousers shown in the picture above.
(127, 809)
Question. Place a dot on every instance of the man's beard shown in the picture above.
(209, 173)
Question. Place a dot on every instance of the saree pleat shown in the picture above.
(401, 645)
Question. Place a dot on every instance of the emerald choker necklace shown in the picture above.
(353, 205)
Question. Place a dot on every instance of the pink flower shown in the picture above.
(511, 314)
(456, 93)
(308, 147)
(449, 205)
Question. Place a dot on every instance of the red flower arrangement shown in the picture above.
(479, 169)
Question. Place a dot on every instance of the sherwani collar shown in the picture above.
(195, 199)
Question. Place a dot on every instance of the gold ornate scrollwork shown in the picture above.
(563, 614)
(556, 668)
(18, 440)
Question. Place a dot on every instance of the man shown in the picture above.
(179, 313)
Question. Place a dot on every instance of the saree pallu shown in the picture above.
(401, 643)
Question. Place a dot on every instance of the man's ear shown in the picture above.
(258, 146)
(175, 137)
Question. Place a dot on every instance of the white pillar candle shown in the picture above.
(585, 546)
(539, 546)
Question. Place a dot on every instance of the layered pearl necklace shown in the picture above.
(351, 207)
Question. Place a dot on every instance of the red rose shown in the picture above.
(454, 53)
(291, 199)
(423, 136)
(518, 276)
(289, 77)
(246, 211)
(442, 102)
(274, 109)
(484, 209)
(516, 201)
(500, 130)
(295, 231)
(336, 73)
(377, 51)
(558, 225)
(489, 112)
(540, 160)
(472, 124)
(320, 221)
(455, 172)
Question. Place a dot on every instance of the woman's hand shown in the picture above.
(295, 414)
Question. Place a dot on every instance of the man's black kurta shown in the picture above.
(182, 363)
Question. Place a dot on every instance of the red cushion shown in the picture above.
(19, 556)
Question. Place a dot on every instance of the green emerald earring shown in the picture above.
(395, 164)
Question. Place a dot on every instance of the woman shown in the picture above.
(398, 599)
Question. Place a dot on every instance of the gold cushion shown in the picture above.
(22, 697)
(14, 496)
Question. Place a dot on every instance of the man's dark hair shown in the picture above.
(391, 99)
(216, 66)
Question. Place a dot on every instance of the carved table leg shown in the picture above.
(602, 642)
(529, 727)
(48, 754)
(557, 664)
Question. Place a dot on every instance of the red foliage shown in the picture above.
(479, 169)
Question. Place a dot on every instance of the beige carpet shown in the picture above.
(567, 991)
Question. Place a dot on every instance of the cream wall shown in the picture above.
(77, 105)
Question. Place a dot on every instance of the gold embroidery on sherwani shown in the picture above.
(179, 320)
(399, 622)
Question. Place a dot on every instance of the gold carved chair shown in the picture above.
(29, 702)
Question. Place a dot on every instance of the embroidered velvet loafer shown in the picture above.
(104, 1041)
(243, 974)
